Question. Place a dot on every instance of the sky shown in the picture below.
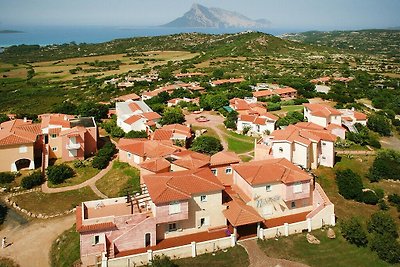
(304, 14)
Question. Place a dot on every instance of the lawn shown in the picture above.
(65, 249)
(48, 204)
(210, 132)
(245, 158)
(331, 252)
(81, 175)
(239, 146)
(120, 178)
(345, 209)
(233, 257)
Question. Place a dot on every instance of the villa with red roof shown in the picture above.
(260, 124)
(226, 81)
(305, 144)
(56, 136)
(174, 132)
(285, 93)
(136, 116)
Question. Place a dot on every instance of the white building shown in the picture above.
(261, 124)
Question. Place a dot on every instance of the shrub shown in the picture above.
(354, 232)
(350, 184)
(387, 247)
(273, 106)
(100, 162)
(103, 157)
(162, 261)
(206, 144)
(394, 198)
(59, 173)
(117, 132)
(379, 192)
(369, 197)
(172, 115)
(136, 134)
(34, 179)
(379, 124)
(79, 164)
(382, 204)
(6, 177)
(381, 223)
(385, 166)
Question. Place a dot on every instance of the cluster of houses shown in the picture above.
(264, 90)
(25, 144)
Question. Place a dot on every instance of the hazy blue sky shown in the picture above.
(306, 14)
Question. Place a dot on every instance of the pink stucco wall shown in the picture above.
(163, 216)
(290, 195)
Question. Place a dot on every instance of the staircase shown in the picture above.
(350, 126)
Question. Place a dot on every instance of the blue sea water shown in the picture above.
(45, 35)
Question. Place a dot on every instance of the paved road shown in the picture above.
(31, 242)
(259, 259)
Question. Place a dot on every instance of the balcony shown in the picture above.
(73, 146)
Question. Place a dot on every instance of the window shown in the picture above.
(174, 207)
(204, 221)
(281, 149)
(323, 157)
(268, 188)
(96, 239)
(172, 227)
(54, 148)
(323, 143)
(293, 204)
(203, 198)
(53, 136)
(228, 170)
(297, 188)
(129, 155)
(23, 149)
(214, 171)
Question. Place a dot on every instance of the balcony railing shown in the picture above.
(72, 146)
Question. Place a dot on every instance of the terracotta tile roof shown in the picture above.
(309, 125)
(54, 131)
(92, 227)
(360, 116)
(238, 214)
(285, 90)
(148, 148)
(270, 171)
(224, 157)
(7, 139)
(132, 119)
(291, 134)
(156, 165)
(299, 217)
(223, 81)
(263, 93)
(322, 110)
(160, 134)
(132, 96)
(151, 115)
(77, 130)
(191, 160)
(134, 107)
(174, 186)
(167, 132)
(18, 132)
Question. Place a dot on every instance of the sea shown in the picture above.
(47, 35)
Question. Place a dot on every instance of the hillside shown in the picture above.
(383, 42)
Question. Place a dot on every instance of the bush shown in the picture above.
(379, 124)
(381, 223)
(350, 184)
(100, 162)
(387, 248)
(103, 157)
(136, 134)
(369, 197)
(162, 261)
(382, 204)
(206, 144)
(117, 132)
(394, 198)
(34, 179)
(354, 232)
(385, 166)
(6, 177)
(172, 115)
(273, 106)
(59, 173)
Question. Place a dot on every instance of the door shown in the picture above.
(147, 239)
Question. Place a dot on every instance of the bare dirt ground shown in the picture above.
(391, 142)
(31, 242)
(258, 258)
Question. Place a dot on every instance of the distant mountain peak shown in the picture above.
(200, 16)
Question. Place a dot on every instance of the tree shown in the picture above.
(382, 223)
(172, 115)
(387, 247)
(231, 120)
(91, 109)
(162, 261)
(117, 132)
(350, 184)
(379, 124)
(65, 108)
(354, 232)
(369, 197)
(385, 166)
(292, 117)
(59, 173)
(213, 101)
(136, 134)
(207, 144)
(218, 73)
(3, 118)
(103, 157)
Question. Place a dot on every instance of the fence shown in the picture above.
(190, 250)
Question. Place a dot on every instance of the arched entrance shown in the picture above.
(22, 164)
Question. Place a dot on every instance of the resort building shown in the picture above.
(260, 124)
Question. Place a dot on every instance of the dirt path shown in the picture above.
(91, 182)
(258, 258)
(31, 242)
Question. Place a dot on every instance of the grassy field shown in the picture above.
(245, 158)
(210, 132)
(120, 178)
(239, 146)
(65, 249)
(81, 175)
(331, 252)
(48, 204)
(286, 109)
(345, 209)
(233, 257)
